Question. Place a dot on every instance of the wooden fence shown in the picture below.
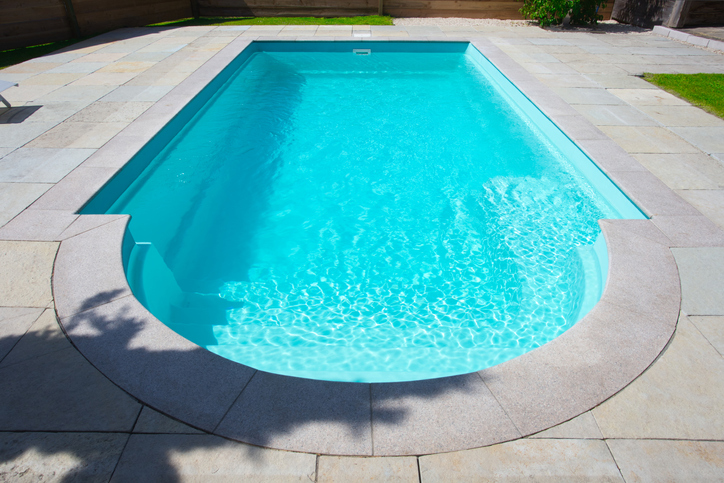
(705, 12)
(32, 22)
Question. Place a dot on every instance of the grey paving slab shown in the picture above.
(424, 417)
(43, 337)
(14, 323)
(647, 97)
(640, 258)
(153, 422)
(524, 460)
(150, 361)
(674, 170)
(579, 128)
(17, 135)
(109, 111)
(61, 391)
(623, 115)
(587, 67)
(25, 270)
(62, 57)
(537, 395)
(548, 68)
(560, 80)
(186, 458)
(41, 165)
(341, 469)
(31, 67)
(608, 155)
(31, 457)
(708, 202)
(73, 191)
(100, 78)
(303, 414)
(37, 225)
(639, 62)
(680, 116)
(687, 231)
(709, 139)
(89, 135)
(619, 81)
(546, 100)
(601, 48)
(643, 460)
(13, 77)
(15, 197)
(28, 93)
(648, 139)
(82, 282)
(651, 195)
(712, 328)
(144, 56)
(702, 278)
(580, 427)
(589, 96)
(84, 223)
(675, 398)
(73, 93)
(52, 79)
(77, 67)
(54, 112)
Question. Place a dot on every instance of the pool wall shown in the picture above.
(154, 284)
(595, 359)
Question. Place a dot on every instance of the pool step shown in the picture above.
(357, 363)
(152, 281)
(300, 337)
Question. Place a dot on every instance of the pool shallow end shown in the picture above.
(593, 360)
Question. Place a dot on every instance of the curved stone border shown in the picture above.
(593, 360)
(590, 362)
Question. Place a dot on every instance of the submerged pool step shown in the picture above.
(385, 337)
(338, 364)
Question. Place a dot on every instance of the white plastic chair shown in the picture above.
(5, 85)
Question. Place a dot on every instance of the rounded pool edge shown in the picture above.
(600, 355)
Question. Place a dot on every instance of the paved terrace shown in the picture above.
(61, 418)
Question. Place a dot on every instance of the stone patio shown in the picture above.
(60, 418)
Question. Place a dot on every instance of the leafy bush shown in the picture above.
(552, 12)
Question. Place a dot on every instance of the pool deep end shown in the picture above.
(393, 249)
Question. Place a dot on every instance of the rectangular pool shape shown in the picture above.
(364, 211)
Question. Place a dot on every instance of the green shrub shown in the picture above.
(552, 12)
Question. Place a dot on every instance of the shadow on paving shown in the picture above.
(215, 394)
(61, 419)
(59, 411)
(16, 115)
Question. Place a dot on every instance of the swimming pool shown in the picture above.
(354, 212)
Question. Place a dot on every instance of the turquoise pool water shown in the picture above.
(397, 213)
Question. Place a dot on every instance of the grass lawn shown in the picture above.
(703, 90)
(16, 56)
(369, 20)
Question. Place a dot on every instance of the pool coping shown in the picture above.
(600, 355)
